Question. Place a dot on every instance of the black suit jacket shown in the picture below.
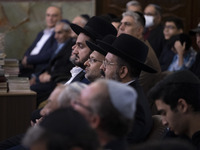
(60, 65)
(156, 39)
(143, 120)
(41, 60)
(81, 78)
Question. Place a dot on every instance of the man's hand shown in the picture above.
(180, 49)
(32, 81)
(24, 63)
(45, 77)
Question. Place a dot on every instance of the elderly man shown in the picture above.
(80, 51)
(133, 23)
(133, 6)
(153, 28)
(109, 107)
(40, 52)
(61, 130)
(124, 62)
(177, 99)
(58, 69)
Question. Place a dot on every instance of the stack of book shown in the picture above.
(3, 82)
(18, 84)
(2, 59)
(11, 67)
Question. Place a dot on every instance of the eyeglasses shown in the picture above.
(92, 60)
(106, 63)
(76, 102)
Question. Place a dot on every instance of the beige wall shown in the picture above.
(21, 21)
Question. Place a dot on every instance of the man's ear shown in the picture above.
(94, 121)
(123, 72)
(182, 105)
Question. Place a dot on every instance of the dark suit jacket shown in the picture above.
(81, 77)
(60, 65)
(143, 121)
(156, 39)
(40, 60)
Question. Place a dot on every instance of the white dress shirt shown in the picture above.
(74, 72)
(42, 41)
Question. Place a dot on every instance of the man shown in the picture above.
(172, 26)
(62, 96)
(177, 100)
(93, 30)
(133, 23)
(59, 66)
(124, 62)
(109, 107)
(39, 53)
(133, 6)
(61, 130)
(153, 28)
(92, 70)
(195, 67)
(81, 21)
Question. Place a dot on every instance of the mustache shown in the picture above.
(102, 72)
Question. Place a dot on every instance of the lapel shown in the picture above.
(81, 77)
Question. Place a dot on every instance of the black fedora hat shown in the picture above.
(196, 30)
(94, 47)
(130, 49)
(96, 28)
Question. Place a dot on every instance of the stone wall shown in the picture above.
(20, 21)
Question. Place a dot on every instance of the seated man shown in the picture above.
(39, 53)
(133, 5)
(124, 62)
(177, 99)
(153, 27)
(59, 67)
(109, 107)
(133, 23)
(80, 51)
(172, 26)
(184, 54)
(64, 129)
(195, 67)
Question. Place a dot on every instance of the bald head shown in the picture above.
(53, 15)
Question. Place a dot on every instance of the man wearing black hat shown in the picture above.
(92, 70)
(177, 99)
(124, 62)
(135, 28)
(195, 67)
(93, 30)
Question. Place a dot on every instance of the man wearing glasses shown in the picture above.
(124, 62)
(80, 51)
(92, 70)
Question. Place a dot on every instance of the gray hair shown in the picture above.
(138, 20)
(71, 92)
(66, 26)
(132, 3)
(33, 135)
(157, 8)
